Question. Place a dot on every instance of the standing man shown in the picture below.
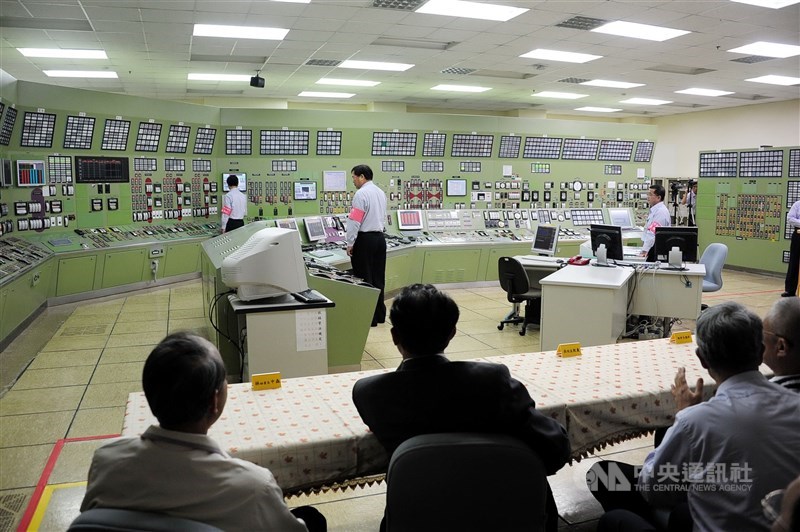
(782, 342)
(793, 220)
(658, 217)
(366, 244)
(234, 206)
(690, 200)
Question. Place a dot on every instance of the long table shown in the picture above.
(309, 434)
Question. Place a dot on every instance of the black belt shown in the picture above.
(370, 232)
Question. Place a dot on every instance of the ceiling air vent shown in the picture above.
(402, 5)
(323, 62)
(573, 80)
(458, 70)
(752, 59)
(582, 23)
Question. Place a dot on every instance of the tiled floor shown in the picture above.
(69, 374)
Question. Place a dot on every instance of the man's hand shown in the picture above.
(642, 253)
(684, 396)
(349, 251)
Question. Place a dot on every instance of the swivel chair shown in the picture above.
(466, 482)
(714, 259)
(514, 281)
(118, 520)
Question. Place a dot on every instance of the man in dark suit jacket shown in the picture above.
(430, 394)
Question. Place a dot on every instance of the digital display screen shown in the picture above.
(620, 217)
(315, 230)
(305, 190)
(287, 223)
(242, 181)
(456, 187)
(409, 220)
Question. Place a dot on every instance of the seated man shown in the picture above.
(782, 342)
(175, 468)
(724, 455)
(429, 394)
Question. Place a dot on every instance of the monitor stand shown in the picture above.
(602, 261)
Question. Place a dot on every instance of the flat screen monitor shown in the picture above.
(611, 236)
(620, 217)
(545, 240)
(409, 220)
(334, 180)
(683, 238)
(456, 187)
(287, 223)
(242, 181)
(305, 190)
(315, 230)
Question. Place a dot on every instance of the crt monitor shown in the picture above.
(242, 186)
(611, 236)
(315, 230)
(620, 217)
(269, 264)
(409, 220)
(683, 238)
(545, 240)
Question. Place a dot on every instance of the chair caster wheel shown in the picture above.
(500, 327)
(522, 332)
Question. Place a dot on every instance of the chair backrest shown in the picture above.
(465, 482)
(513, 278)
(714, 259)
(118, 520)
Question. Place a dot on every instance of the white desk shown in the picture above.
(665, 292)
(585, 304)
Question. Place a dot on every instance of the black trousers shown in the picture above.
(794, 263)
(233, 224)
(369, 263)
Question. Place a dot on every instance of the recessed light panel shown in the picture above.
(460, 88)
(612, 84)
(598, 109)
(63, 53)
(314, 94)
(375, 65)
(768, 49)
(239, 32)
(556, 55)
(460, 8)
(80, 74)
(772, 4)
(640, 31)
(218, 77)
(645, 101)
(703, 92)
(348, 82)
(776, 80)
(562, 95)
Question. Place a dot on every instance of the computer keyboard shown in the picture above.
(320, 253)
(631, 251)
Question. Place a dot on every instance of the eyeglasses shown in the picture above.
(771, 504)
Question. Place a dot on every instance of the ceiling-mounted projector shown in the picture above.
(257, 81)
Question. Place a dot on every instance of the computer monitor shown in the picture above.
(611, 236)
(545, 240)
(242, 186)
(287, 223)
(683, 238)
(315, 230)
(409, 220)
(620, 217)
(456, 187)
(305, 190)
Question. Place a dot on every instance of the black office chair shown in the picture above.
(466, 482)
(514, 281)
(118, 520)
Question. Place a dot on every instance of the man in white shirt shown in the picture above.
(234, 206)
(782, 342)
(658, 217)
(793, 222)
(366, 244)
(690, 200)
(175, 468)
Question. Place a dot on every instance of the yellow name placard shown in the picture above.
(681, 337)
(569, 350)
(266, 381)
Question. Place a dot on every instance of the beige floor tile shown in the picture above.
(149, 328)
(133, 353)
(465, 314)
(74, 461)
(187, 324)
(509, 338)
(97, 422)
(380, 350)
(34, 429)
(184, 303)
(22, 466)
(367, 365)
(93, 319)
(106, 308)
(14, 503)
(465, 343)
(177, 314)
(61, 343)
(139, 316)
(391, 363)
(48, 378)
(112, 394)
(62, 359)
(471, 355)
(87, 329)
(481, 326)
(63, 508)
(37, 401)
(362, 514)
(130, 340)
(122, 372)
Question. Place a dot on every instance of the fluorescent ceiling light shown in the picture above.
(612, 84)
(460, 88)
(294, 1)
(768, 49)
(555, 55)
(375, 65)
(598, 109)
(645, 101)
(314, 94)
(239, 32)
(773, 4)
(703, 92)
(80, 73)
(219, 77)
(640, 31)
(348, 82)
(562, 95)
(63, 53)
(776, 80)
(460, 8)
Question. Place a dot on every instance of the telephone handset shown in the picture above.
(578, 261)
